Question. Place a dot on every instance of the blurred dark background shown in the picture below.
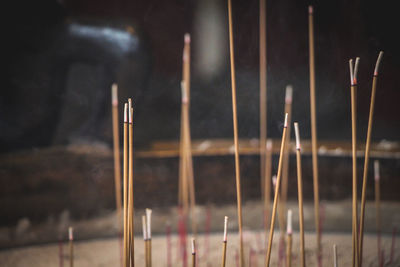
(61, 58)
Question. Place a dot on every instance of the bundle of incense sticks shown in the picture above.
(366, 159)
(353, 88)
(129, 258)
(71, 246)
(186, 177)
(289, 232)
(276, 196)
(314, 147)
(300, 194)
(224, 241)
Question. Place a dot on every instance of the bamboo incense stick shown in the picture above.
(193, 253)
(71, 246)
(263, 92)
(145, 238)
(289, 232)
(117, 160)
(300, 194)
(125, 166)
(183, 150)
(285, 166)
(130, 184)
(267, 185)
(224, 241)
(277, 187)
(378, 207)
(148, 224)
(366, 159)
(235, 135)
(335, 264)
(314, 127)
(353, 77)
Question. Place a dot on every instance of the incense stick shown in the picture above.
(125, 167)
(335, 264)
(263, 92)
(285, 166)
(193, 253)
(235, 135)
(117, 161)
(300, 193)
(353, 88)
(148, 224)
(224, 241)
(378, 207)
(367, 149)
(267, 185)
(145, 238)
(314, 127)
(71, 246)
(183, 151)
(130, 185)
(271, 230)
(289, 232)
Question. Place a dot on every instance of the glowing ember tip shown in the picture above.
(71, 233)
(187, 38)
(378, 61)
(297, 134)
(226, 229)
(289, 94)
(114, 94)
(126, 112)
(289, 229)
(144, 228)
(376, 170)
(193, 246)
(286, 118)
(148, 217)
(310, 10)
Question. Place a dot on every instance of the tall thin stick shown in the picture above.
(148, 232)
(235, 136)
(366, 159)
(378, 207)
(130, 184)
(300, 193)
(263, 91)
(353, 77)
(314, 127)
(289, 232)
(224, 241)
(278, 181)
(125, 166)
(145, 238)
(71, 246)
(117, 160)
(267, 185)
(285, 166)
(193, 253)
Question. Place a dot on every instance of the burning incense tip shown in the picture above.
(226, 229)
(289, 94)
(310, 10)
(289, 229)
(376, 170)
(144, 227)
(297, 134)
(114, 94)
(285, 124)
(187, 38)
(378, 61)
(274, 180)
(356, 70)
(71, 233)
(148, 217)
(131, 115)
(126, 112)
(269, 145)
(351, 71)
(193, 246)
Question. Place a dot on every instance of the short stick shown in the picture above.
(235, 134)
(271, 230)
(366, 159)
(300, 194)
(224, 241)
(289, 233)
(314, 127)
(71, 246)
